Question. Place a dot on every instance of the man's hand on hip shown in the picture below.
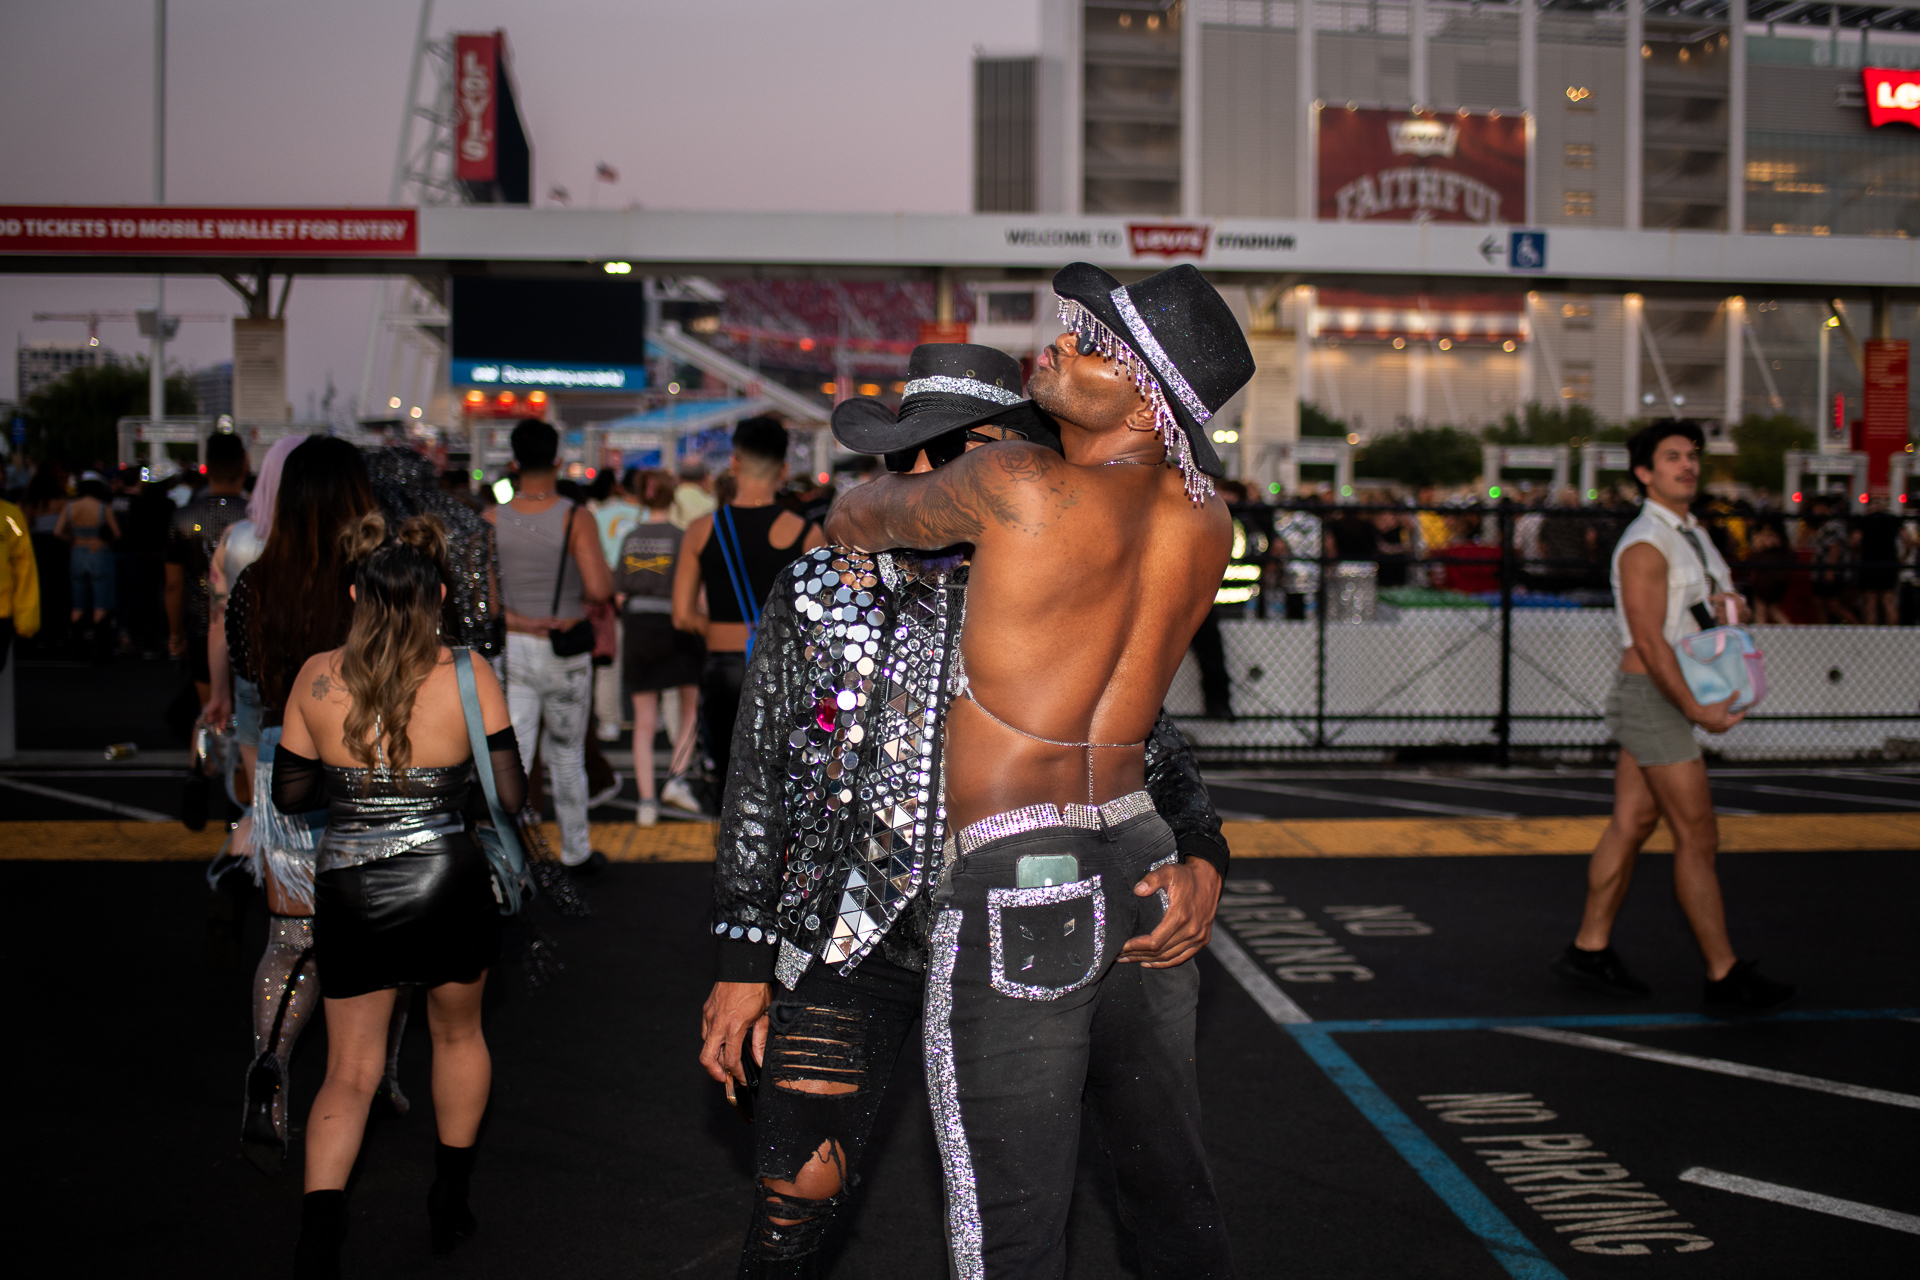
(1193, 891)
(733, 1011)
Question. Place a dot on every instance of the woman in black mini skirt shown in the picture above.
(404, 895)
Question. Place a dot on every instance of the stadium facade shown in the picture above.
(1749, 116)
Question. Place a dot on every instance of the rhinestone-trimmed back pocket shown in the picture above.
(1048, 941)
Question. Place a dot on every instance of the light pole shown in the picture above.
(157, 358)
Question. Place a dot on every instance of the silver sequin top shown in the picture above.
(402, 811)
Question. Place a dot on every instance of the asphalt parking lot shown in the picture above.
(1393, 1085)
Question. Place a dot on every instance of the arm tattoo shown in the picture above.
(321, 687)
(953, 504)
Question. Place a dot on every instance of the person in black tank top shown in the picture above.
(733, 556)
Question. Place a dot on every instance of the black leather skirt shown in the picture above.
(426, 917)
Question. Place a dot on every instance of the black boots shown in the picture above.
(447, 1210)
(323, 1228)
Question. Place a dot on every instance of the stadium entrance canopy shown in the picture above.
(437, 241)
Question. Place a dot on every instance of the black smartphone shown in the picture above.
(742, 1093)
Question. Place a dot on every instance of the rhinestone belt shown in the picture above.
(1039, 817)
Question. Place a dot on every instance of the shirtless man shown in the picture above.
(1090, 575)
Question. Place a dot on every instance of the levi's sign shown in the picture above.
(1168, 240)
(176, 230)
(1892, 96)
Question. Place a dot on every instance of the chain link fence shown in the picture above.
(1488, 634)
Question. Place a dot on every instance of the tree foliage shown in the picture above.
(1421, 456)
(75, 418)
(1315, 421)
(1763, 442)
(1570, 424)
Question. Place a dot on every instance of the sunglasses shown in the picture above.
(945, 448)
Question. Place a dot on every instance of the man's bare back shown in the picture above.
(1090, 575)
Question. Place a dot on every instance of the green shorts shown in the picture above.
(1645, 724)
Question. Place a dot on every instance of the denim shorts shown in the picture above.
(246, 712)
(90, 575)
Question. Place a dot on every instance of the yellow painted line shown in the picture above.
(108, 842)
(1321, 838)
(1457, 837)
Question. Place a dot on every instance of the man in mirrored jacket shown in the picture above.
(833, 839)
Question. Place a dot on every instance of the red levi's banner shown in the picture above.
(1378, 165)
(179, 231)
(1893, 97)
(476, 101)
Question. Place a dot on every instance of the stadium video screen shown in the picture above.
(572, 321)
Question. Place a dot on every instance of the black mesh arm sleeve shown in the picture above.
(299, 785)
(1173, 780)
(750, 854)
(509, 779)
(239, 626)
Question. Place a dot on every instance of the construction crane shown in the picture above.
(93, 320)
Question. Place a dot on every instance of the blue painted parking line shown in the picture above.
(1515, 1253)
(1512, 1250)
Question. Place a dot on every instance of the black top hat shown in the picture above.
(1175, 336)
(950, 385)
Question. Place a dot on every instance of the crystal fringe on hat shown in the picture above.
(1093, 335)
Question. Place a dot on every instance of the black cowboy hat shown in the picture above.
(1175, 335)
(950, 386)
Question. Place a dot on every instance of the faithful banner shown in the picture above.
(1883, 418)
(1395, 166)
(178, 231)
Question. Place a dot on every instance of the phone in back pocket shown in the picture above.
(1038, 870)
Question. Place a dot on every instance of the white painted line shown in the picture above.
(1348, 797)
(1804, 794)
(1520, 789)
(1515, 788)
(1799, 1199)
(1629, 1050)
(1279, 1006)
(91, 802)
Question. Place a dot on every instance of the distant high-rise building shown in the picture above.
(213, 388)
(39, 363)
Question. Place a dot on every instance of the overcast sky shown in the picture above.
(830, 105)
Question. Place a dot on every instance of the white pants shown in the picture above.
(550, 696)
(607, 706)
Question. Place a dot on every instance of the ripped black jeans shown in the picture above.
(831, 1046)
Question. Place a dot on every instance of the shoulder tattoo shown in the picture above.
(321, 687)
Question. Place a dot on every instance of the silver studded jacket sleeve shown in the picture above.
(750, 852)
(1173, 780)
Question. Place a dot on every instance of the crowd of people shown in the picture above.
(1831, 563)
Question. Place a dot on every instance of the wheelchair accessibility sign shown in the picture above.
(1527, 250)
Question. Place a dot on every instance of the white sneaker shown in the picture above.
(649, 813)
(678, 794)
(607, 731)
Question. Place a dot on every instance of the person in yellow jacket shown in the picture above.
(19, 580)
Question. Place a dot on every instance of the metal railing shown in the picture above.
(1487, 633)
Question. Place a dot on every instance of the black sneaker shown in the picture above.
(1599, 971)
(596, 863)
(1744, 991)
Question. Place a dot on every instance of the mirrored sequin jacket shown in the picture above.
(832, 826)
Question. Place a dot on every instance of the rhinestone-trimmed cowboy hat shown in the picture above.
(950, 386)
(1176, 338)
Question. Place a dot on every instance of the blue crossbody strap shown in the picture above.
(730, 548)
(509, 835)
